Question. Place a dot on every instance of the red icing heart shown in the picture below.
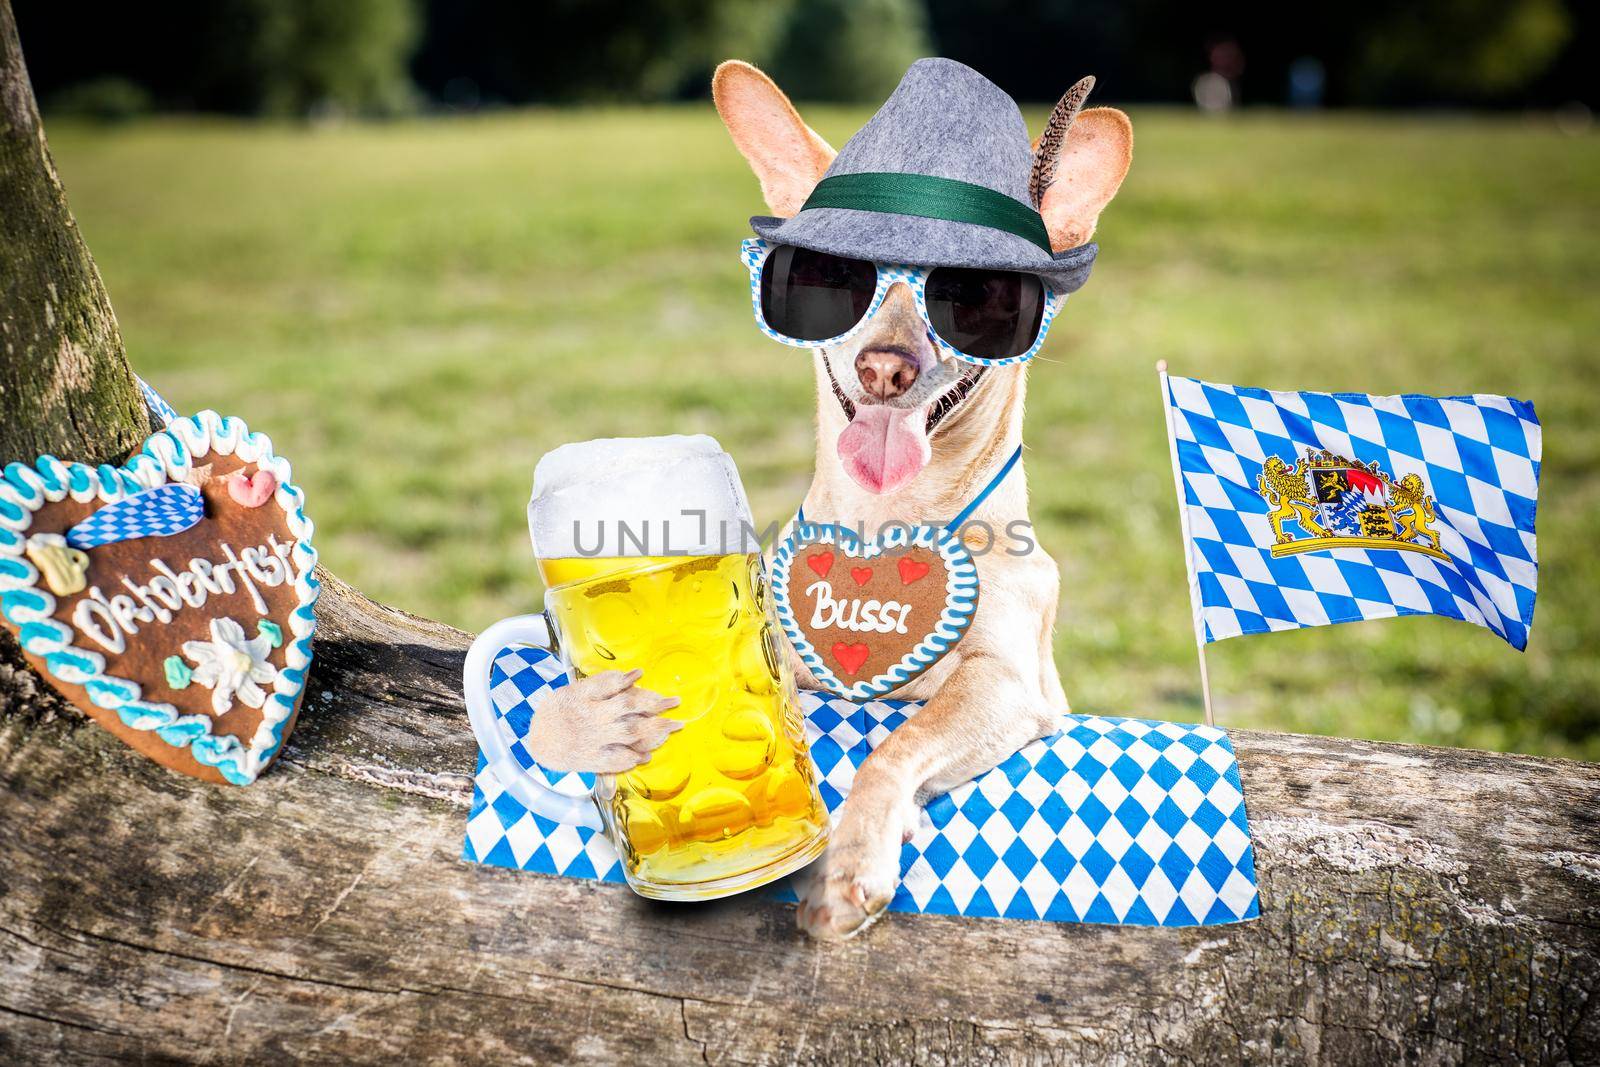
(252, 490)
(820, 563)
(862, 575)
(911, 570)
(850, 657)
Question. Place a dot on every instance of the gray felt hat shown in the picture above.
(940, 176)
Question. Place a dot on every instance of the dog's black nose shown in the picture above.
(885, 373)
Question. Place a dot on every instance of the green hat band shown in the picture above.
(927, 197)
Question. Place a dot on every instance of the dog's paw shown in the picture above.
(837, 904)
(603, 723)
(844, 891)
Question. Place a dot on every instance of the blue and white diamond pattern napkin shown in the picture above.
(1108, 821)
(155, 403)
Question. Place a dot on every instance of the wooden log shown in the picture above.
(1417, 905)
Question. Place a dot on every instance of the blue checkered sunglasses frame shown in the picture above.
(754, 252)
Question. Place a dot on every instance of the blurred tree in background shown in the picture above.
(1461, 49)
(847, 50)
(561, 51)
(304, 57)
(502, 51)
(310, 57)
(1374, 52)
(265, 57)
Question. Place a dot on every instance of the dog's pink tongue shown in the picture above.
(883, 448)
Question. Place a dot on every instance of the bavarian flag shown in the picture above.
(1303, 509)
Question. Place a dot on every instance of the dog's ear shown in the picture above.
(786, 154)
(1078, 164)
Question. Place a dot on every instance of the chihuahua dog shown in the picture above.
(951, 425)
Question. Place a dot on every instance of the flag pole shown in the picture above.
(1188, 559)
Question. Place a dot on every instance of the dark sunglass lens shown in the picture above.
(991, 314)
(812, 296)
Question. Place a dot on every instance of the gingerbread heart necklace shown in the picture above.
(868, 615)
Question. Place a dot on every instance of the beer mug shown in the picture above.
(649, 561)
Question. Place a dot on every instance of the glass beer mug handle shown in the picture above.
(523, 784)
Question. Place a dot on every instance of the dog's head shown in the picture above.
(892, 398)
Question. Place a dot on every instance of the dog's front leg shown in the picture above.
(985, 711)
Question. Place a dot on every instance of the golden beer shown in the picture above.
(729, 801)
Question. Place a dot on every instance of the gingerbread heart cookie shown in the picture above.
(172, 598)
(868, 616)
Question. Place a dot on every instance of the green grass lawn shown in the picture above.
(415, 312)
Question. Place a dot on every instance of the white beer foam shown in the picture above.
(639, 496)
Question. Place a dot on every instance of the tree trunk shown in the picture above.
(1417, 904)
(65, 386)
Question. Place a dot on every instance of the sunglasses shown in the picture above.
(814, 300)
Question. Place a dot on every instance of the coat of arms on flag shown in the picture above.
(1344, 503)
(1304, 509)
